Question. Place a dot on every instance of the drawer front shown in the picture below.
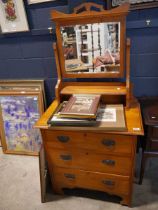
(87, 160)
(72, 178)
(154, 133)
(154, 144)
(105, 143)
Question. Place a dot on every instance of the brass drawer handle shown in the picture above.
(63, 139)
(109, 162)
(109, 183)
(108, 142)
(70, 176)
(66, 157)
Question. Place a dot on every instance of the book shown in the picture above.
(111, 117)
(81, 106)
(55, 120)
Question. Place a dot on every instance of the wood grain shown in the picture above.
(89, 180)
(95, 142)
(87, 160)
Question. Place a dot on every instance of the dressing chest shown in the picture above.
(89, 157)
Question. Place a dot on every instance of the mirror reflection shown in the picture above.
(92, 48)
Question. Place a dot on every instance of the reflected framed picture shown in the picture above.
(13, 16)
(38, 1)
(19, 110)
(92, 47)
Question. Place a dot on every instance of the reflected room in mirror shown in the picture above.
(91, 48)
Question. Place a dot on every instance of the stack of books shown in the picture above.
(78, 110)
(86, 110)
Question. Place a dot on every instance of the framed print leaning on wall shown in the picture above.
(18, 113)
(135, 4)
(13, 16)
(21, 84)
(38, 1)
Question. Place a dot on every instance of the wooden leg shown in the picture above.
(142, 170)
(126, 200)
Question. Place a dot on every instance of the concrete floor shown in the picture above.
(20, 189)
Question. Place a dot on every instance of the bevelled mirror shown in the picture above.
(91, 43)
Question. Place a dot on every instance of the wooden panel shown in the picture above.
(105, 90)
(154, 144)
(104, 143)
(155, 132)
(71, 178)
(86, 160)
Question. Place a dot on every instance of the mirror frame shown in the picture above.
(89, 17)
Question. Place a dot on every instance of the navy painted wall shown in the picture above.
(30, 55)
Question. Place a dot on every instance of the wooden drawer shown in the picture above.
(154, 144)
(105, 143)
(87, 160)
(154, 133)
(72, 178)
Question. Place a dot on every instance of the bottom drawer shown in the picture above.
(72, 178)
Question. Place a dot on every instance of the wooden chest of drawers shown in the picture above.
(91, 160)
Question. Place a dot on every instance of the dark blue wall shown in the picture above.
(30, 55)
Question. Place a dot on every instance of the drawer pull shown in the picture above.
(66, 157)
(108, 142)
(109, 183)
(63, 139)
(70, 176)
(109, 162)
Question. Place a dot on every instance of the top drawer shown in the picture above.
(109, 143)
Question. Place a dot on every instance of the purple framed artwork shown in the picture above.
(19, 112)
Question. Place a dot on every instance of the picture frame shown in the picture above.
(38, 1)
(13, 16)
(94, 25)
(19, 110)
(134, 4)
(21, 84)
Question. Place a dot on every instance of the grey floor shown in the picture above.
(20, 189)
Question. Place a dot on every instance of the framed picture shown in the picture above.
(22, 85)
(13, 16)
(38, 1)
(135, 4)
(19, 110)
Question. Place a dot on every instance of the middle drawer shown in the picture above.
(87, 160)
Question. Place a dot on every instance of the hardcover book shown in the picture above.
(55, 120)
(81, 106)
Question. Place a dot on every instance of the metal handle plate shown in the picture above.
(66, 157)
(70, 176)
(109, 162)
(63, 139)
(108, 142)
(109, 183)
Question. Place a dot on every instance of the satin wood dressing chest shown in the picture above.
(92, 158)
